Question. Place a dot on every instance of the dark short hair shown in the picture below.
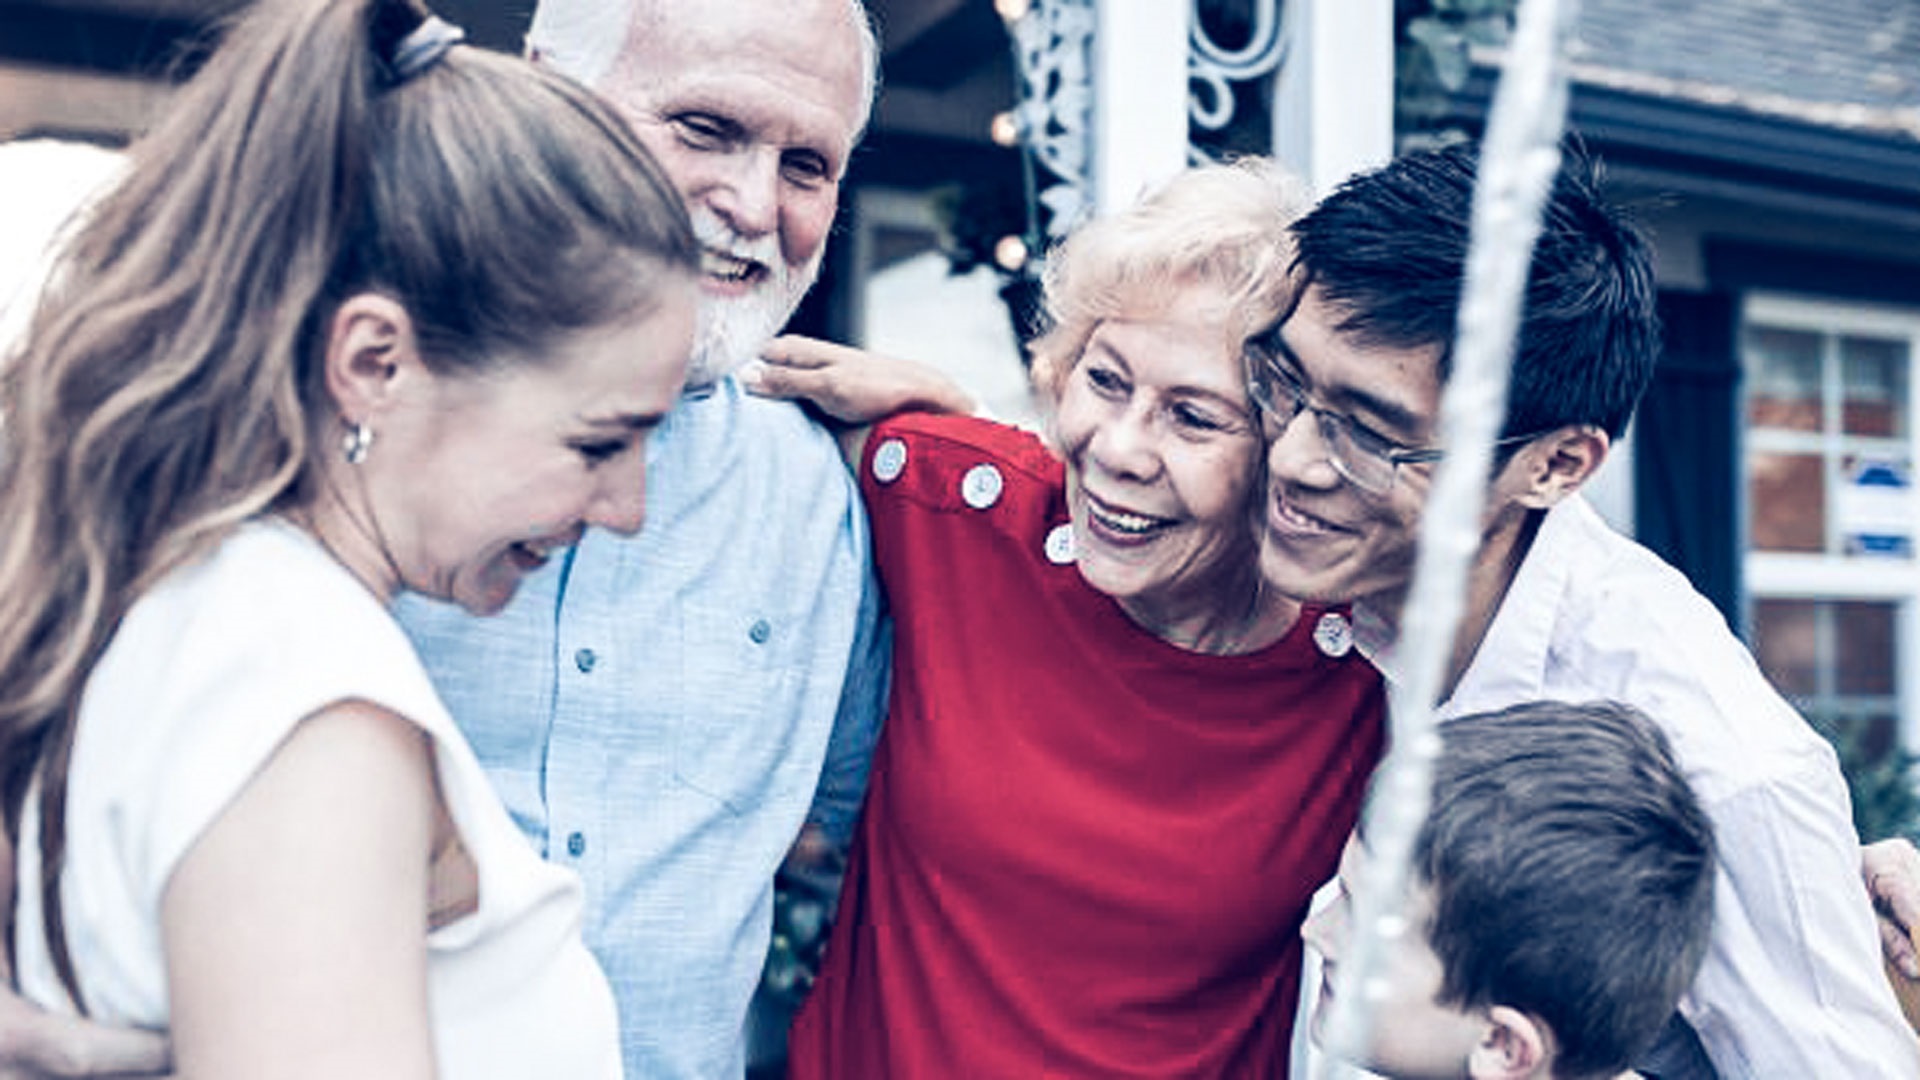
(1388, 251)
(1572, 872)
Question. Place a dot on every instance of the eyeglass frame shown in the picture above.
(1261, 358)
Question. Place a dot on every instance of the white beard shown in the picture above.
(732, 330)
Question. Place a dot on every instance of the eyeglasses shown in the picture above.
(1363, 457)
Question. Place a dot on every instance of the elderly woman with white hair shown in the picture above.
(1114, 767)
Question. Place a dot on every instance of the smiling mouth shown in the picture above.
(729, 268)
(1124, 524)
(531, 555)
(1284, 516)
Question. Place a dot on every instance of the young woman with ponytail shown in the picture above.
(371, 311)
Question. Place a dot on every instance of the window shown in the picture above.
(1831, 512)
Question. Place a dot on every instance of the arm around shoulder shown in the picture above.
(36, 1044)
(1891, 869)
(853, 386)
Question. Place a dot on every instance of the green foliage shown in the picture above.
(1884, 782)
(1433, 40)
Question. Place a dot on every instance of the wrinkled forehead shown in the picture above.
(823, 47)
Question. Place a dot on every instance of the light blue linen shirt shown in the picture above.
(655, 711)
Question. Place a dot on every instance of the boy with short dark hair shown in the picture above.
(1562, 901)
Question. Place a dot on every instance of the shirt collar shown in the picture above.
(1511, 663)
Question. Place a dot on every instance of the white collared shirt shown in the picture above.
(1792, 984)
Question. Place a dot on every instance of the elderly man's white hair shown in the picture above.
(582, 38)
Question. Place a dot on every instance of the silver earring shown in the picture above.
(356, 442)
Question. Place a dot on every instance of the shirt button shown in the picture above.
(889, 461)
(584, 660)
(576, 844)
(1334, 635)
(760, 631)
(1059, 545)
(981, 486)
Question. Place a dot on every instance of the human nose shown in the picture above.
(1123, 445)
(747, 196)
(621, 503)
(1300, 451)
(1326, 928)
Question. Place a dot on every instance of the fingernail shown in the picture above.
(752, 372)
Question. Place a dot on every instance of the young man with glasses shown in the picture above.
(1559, 606)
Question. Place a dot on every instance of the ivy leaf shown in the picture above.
(1445, 48)
(1488, 29)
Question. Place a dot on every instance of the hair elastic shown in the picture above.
(422, 48)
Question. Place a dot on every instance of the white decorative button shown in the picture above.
(889, 461)
(1060, 544)
(981, 486)
(1333, 634)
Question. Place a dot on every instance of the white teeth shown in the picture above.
(538, 549)
(1300, 518)
(1121, 521)
(724, 266)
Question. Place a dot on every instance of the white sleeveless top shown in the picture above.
(207, 676)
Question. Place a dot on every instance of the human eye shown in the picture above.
(600, 451)
(1105, 381)
(1367, 440)
(704, 131)
(1194, 418)
(805, 167)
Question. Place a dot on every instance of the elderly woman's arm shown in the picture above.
(853, 386)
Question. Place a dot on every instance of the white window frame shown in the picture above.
(1773, 575)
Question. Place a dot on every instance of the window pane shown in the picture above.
(1787, 501)
(1863, 647)
(1786, 639)
(1783, 378)
(1874, 376)
(1873, 509)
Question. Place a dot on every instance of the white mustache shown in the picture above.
(717, 235)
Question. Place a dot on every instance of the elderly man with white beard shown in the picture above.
(656, 710)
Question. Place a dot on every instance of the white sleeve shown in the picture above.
(1792, 984)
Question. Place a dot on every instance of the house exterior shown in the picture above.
(1775, 148)
(1772, 148)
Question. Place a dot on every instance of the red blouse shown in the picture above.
(1084, 852)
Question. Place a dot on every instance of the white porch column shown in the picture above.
(1140, 97)
(1333, 107)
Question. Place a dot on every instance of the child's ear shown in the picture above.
(1556, 464)
(1513, 1046)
